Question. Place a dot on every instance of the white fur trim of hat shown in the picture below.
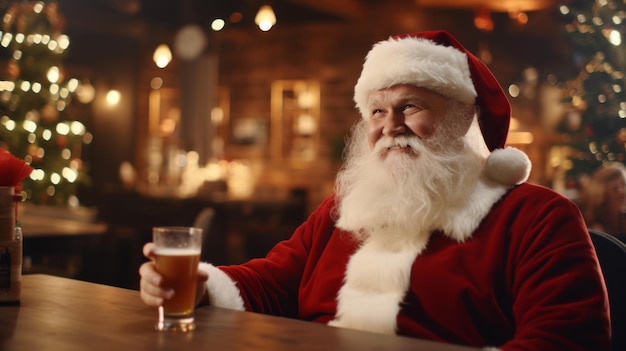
(417, 61)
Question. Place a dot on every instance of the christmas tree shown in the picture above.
(595, 129)
(34, 98)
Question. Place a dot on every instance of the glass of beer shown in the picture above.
(177, 255)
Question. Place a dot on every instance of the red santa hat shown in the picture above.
(435, 60)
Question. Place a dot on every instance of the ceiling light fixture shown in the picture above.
(162, 56)
(482, 19)
(265, 18)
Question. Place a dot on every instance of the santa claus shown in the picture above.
(433, 231)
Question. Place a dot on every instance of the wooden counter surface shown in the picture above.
(60, 314)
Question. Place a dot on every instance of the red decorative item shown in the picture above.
(12, 169)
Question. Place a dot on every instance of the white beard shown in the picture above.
(399, 199)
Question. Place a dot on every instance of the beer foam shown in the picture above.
(173, 251)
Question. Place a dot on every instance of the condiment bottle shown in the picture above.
(10, 248)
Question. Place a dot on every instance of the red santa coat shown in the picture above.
(527, 278)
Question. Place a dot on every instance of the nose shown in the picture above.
(394, 124)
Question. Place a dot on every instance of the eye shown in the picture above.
(377, 112)
(411, 107)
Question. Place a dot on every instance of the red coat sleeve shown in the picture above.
(555, 284)
(271, 285)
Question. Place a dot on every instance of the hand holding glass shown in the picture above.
(177, 255)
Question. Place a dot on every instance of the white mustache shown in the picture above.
(386, 143)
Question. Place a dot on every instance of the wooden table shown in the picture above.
(41, 227)
(55, 221)
(57, 245)
(60, 314)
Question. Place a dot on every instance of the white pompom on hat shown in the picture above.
(509, 166)
(437, 61)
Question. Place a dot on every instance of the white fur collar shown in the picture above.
(460, 220)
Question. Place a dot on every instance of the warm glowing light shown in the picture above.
(218, 24)
(217, 115)
(29, 126)
(85, 92)
(72, 84)
(6, 39)
(55, 178)
(520, 17)
(162, 56)
(69, 174)
(36, 38)
(77, 128)
(87, 138)
(113, 97)
(156, 83)
(306, 125)
(53, 74)
(265, 18)
(63, 128)
(167, 126)
(482, 20)
(37, 174)
(9, 125)
(38, 7)
(615, 38)
(7, 86)
(64, 41)
(519, 138)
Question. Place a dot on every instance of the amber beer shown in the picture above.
(179, 269)
(176, 258)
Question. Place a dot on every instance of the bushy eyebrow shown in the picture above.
(415, 98)
(419, 100)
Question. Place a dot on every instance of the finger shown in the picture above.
(149, 289)
(148, 250)
(148, 272)
(150, 300)
(152, 281)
